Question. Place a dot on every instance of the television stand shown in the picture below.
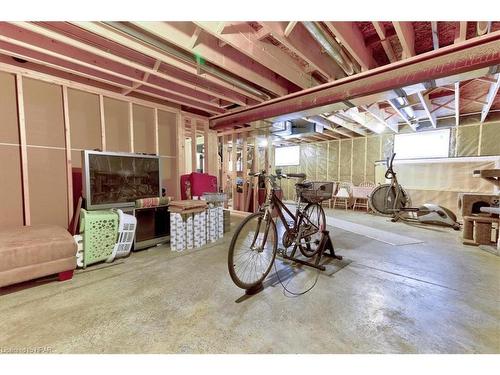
(153, 226)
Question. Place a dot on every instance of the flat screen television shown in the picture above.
(116, 179)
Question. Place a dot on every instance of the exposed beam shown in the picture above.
(302, 44)
(461, 34)
(347, 125)
(386, 44)
(145, 79)
(399, 111)
(435, 34)
(406, 35)
(483, 27)
(377, 113)
(365, 119)
(206, 83)
(457, 103)
(195, 37)
(77, 53)
(242, 37)
(329, 125)
(426, 103)
(476, 55)
(352, 39)
(492, 93)
(208, 48)
(289, 27)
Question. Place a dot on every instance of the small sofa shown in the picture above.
(27, 253)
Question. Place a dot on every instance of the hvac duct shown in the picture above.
(186, 57)
(330, 45)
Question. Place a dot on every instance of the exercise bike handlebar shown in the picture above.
(390, 172)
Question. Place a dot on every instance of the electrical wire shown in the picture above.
(295, 294)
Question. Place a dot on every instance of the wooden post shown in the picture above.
(103, 122)
(157, 141)
(131, 125)
(206, 147)
(234, 173)
(193, 144)
(255, 169)
(244, 169)
(181, 150)
(224, 163)
(67, 136)
(338, 166)
(24, 149)
(366, 157)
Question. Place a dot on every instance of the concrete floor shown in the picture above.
(435, 297)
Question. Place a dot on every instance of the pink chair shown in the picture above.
(360, 195)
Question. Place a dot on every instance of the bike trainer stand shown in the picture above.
(325, 245)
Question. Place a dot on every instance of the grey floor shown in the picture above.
(434, 297)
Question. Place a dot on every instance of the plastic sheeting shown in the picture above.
(490, 140)
(322, 161)
(467, 140)
(345, 159)
(372, 155)
(333, 160)
(358, 160)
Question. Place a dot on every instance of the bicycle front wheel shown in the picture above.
(313, 223)
(383, 199)
(252, 250)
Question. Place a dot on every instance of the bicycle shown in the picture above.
(254, 244)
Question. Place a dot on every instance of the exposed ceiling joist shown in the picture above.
(300, 42)
(347, 125)
(352, 39)
(435, 35)
(102, 70)
(457, 103)
(233, 93)
(329, 125)
(461, 34)
(492, 93)
(427, 105)
(145, 79)
(242, 37)
(289, 28)
(471, 58)
(365, 119)
(377, 113)
(386, 44)
(401, 113)
(207, 48)
(406, 35)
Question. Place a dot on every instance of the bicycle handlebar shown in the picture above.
(278, 174)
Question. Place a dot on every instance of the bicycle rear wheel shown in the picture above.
(252, 250)
(383, 200)
(314, 222)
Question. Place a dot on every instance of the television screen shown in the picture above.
(114, 179)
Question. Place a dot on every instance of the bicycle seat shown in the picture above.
(304, 185)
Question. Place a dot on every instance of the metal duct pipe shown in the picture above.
(186, 57)
(330, 45)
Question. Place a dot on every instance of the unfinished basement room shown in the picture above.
(250, 187)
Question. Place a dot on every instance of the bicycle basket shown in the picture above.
(318, 192)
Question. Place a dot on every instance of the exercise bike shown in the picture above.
(393, 201)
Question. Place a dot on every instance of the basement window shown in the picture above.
(429, 144)
(284, 156)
